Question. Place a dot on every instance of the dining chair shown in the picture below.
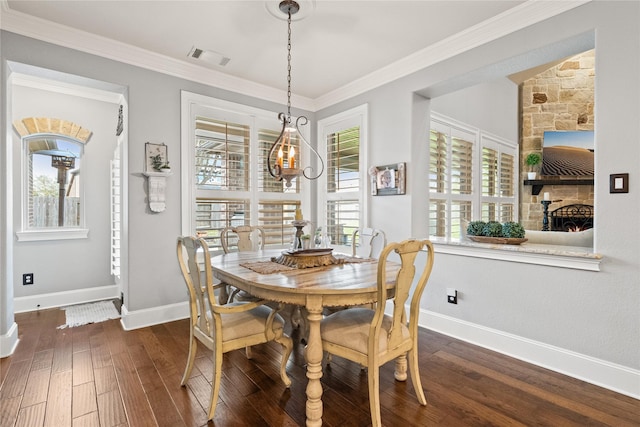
(372, 338)
(240, 237)
(367, 242)
(223, 328)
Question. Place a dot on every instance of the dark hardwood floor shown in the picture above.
(100, 375)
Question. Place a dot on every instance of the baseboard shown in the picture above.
(153, 316)
(605, 374)
(60, 299)
(9, 341)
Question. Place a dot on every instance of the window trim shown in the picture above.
(357, 116)
(193, 104)
(481, 139)
(60, 234)
(537, 254)
(29, 234)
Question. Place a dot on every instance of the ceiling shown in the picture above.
(335, 43)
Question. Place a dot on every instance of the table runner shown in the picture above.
(270, 267)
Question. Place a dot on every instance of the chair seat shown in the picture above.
(246, 323)
(350, 329)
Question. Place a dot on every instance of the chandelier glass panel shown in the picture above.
(284, 162)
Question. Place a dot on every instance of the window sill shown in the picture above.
(58, 234)
(574, 257)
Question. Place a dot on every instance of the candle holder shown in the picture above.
(545, 218)
(297, 242)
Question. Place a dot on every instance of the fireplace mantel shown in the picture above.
(537, 184)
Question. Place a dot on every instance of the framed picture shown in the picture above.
(388, 180)
(568, 154)
(619, 183)
(155, 156)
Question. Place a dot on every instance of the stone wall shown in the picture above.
(560, 98)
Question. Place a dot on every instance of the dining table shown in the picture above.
(347, 282)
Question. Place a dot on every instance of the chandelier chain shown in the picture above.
(289, 66)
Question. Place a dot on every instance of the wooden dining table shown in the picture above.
(343, 284)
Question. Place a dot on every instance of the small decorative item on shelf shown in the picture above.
(532, 160)
(156, 162)
(306, 241)
(156, 157)
(510, 233)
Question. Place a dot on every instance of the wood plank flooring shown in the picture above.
(100, 375)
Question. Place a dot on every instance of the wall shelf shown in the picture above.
(537, 184)
(157, 185)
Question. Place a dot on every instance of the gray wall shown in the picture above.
(154, 115)
(65, 265)
(595, 314)
(591, 313)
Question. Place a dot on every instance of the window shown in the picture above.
(341, 139)
(225, 150)
(52, 195)
(471, 176)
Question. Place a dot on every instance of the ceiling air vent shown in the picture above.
(195, 53)
(208, 56)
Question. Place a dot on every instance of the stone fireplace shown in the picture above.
(559, 98)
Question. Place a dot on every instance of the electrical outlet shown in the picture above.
(27, 279)
(452, 296)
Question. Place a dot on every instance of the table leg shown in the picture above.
(314, 363)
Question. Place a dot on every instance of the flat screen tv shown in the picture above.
(567, 154)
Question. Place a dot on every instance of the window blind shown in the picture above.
(221, 155)
(213, 215)
(343, 160)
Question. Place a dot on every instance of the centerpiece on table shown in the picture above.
(510, 233)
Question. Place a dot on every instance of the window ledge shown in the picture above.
(57, 234)
(575, 257)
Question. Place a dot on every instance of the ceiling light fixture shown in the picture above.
(290, 136)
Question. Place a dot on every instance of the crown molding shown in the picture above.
(510, 21)
(519, 17)
(51, 32)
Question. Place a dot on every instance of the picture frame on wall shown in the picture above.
(387, 180)
(155, 156)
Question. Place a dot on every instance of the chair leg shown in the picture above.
(296, 316)
(247, 351)
(215, 384)
(373, 377)
(193, 348)
(415, 375)
(287, 343)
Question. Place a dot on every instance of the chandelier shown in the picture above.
(283, 161)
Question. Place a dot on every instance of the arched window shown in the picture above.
(52, 158)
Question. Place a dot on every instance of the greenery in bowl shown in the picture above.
(513, 230)
(495, 229)
(476, 228)
(492, 229)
